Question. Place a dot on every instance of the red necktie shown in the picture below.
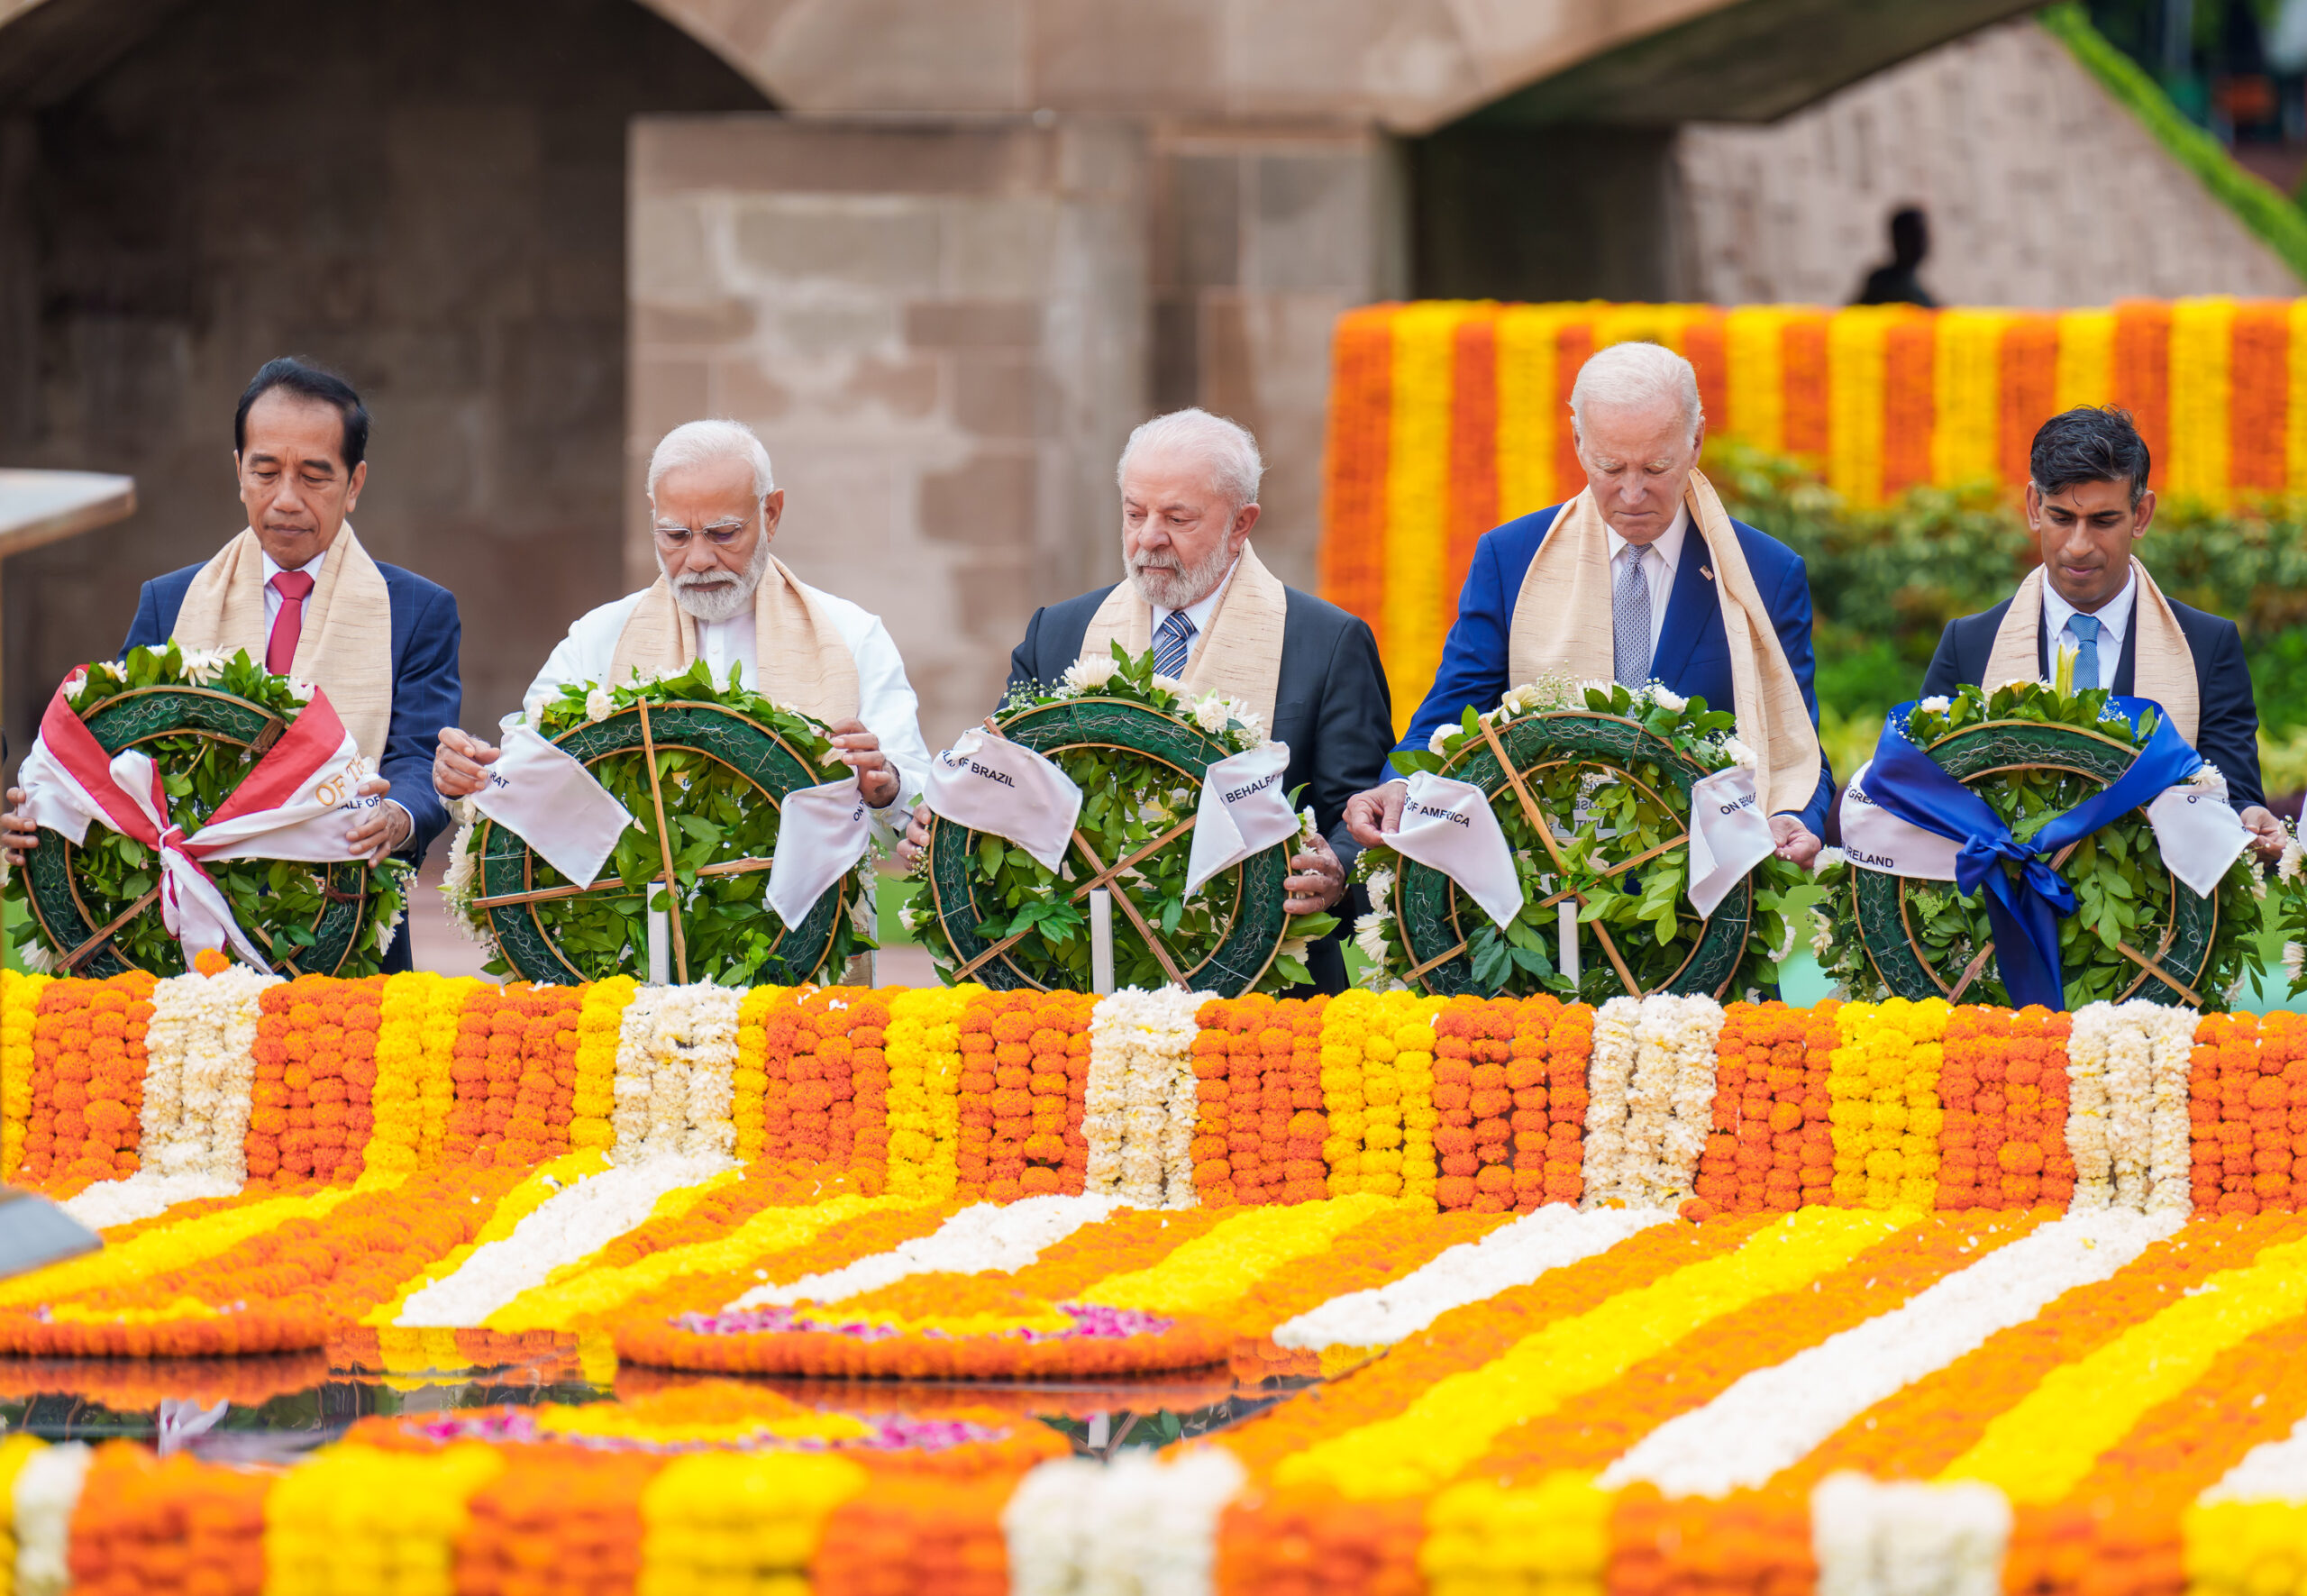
(288, 625)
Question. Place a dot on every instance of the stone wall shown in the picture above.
(2042, 190)
(941, 339)
(426, 195)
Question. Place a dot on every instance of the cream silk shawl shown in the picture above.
(2163, 665)
(1239, 656)
(1562, 623)
(346, 647)
(803, 664)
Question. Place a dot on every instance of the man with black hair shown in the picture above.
(2088, 505)
(1897, 282)
(297, 590)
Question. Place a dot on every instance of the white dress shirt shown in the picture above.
(1665, 555)
(1199, 613)
(885, 700)
(2114, 624)
(272, 600)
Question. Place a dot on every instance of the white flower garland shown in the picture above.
(1772, 1418)
(985, 1237)
(677, 1054)
(1876, 1539)
(2088, 1049)
(1140, 1104)
(2127, 1128)
(1515, 1254)
(47, 1491)
(1610, 1073)
(1143, 1525)
(567, 1227)
(1652, 1101)
(199, 1074)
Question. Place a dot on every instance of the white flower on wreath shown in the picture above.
(1666, 699)
(1294, 947)
(1827, 858)
(2287, 869)
(1381, 888)
(2207, 777)
(1213, 713)
(2294, 959)
(1822, 934)
(1087, 676)
(108, 668)
(1370, 937)
(910, 917)
(1937, 704)
(599, 704)
(1168, 684)
(204, 665)
(1521, 700)
(302, 691)
(1738, 754)
(2021, 682)
(1309, 833)
(1439, 741)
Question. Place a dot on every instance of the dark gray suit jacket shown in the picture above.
(2228, 729)
(1331, 706)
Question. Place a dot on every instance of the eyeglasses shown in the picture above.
(720, 534)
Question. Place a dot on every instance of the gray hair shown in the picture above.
(1224, 447)
(703, 443)
(1632, 375)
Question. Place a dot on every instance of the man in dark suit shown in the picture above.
(2088, 505)
(1218, 620)
(1638, 430)
(300, 442)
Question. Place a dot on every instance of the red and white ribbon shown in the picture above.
(297, 803)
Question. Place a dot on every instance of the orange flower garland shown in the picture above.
(2282, 1051)
(2223, 1084)
(312, 1115)
(1820, 1039)
(573, 1511)
(148, 1524)
(779, 1019)
(1753, 1156)
(1025, 1066)
(1260, 1064)
(837, 1102)
(914, 1532)
(1224, 1173)
(1529, 1073)
(1476, 1139)
(88, 1072)
(545, 1091)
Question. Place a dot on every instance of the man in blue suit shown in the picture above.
(1643, 598)
(298, 590)
(2087, 505)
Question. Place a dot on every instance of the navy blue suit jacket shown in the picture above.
(426, 693)
(2227, 732)
(1330, 705)
(1693, 656)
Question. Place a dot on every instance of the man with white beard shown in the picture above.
(1198, 596)
(721, 596)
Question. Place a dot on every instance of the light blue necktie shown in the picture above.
(2086, 653)
(1169, 644)
(1631, 617)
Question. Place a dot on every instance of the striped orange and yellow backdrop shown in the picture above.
(1448, 417)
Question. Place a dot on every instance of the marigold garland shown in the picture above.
(19, 1006)
(87, 1085)
(1884, 1083)
(924, 1049)
(1753, 1156)
(600, 1018)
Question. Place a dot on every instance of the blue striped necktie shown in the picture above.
(2086, 652)
(1169, 644)
(1630, 616)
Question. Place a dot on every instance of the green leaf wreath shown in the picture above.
(1600, 820)
(1129, 800)
(2123, 893)
(716, 815)
(277, 901)
(2291, 911)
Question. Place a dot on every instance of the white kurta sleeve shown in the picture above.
(583, 656)
(886, 705)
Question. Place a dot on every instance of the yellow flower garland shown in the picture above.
(404, 1094)
(1347, 1026)
(598, 1024)
(1555, 1535)
(15, 1452)
(737, 1521)
(1453, 1421)
(925, 1054)
(358, 1517)
(445, 1000)
(19, 998)
(1214, 1270)
(749, 1082)
(1883, 1083)
(2244, 1548)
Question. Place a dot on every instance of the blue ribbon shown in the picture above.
(2025, 908)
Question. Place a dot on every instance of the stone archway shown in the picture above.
(428, 195)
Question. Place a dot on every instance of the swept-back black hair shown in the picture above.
(307, 382)
(2089, 445)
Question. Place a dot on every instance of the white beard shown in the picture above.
(1181, 588)
(712, 597)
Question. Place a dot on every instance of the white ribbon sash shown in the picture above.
(1244, 811)
(822, 832)
(1729, 836)
(551, 801)
(989, 783)
(2195, 828)
(1448, 826)
(298, 803)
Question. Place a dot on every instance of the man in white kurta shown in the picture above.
(721, 598)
